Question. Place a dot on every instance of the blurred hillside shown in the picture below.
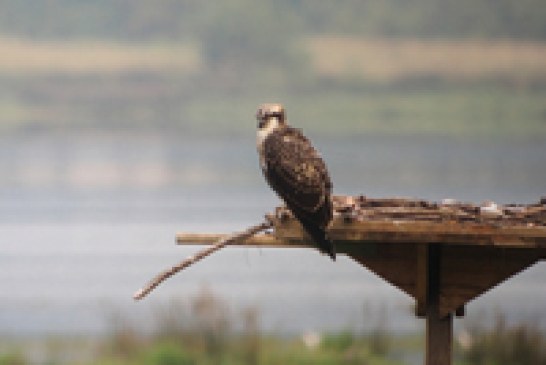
(392, 66)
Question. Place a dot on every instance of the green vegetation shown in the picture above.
(12, 359)
(271, 351)
(205, 331)
(518, 345)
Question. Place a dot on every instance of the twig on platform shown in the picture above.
(221, 243)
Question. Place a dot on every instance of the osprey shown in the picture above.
(295, 170)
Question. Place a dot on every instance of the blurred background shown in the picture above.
(123, 122)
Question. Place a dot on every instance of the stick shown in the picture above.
(221, 243)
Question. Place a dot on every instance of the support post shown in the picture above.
(439, 329)
(439, 339)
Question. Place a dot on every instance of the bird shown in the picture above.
(294, 169)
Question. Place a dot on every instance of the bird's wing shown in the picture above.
(295, 170)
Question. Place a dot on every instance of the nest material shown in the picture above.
(362, 208)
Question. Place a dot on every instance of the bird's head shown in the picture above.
(270, 117)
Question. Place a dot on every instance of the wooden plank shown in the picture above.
(445, 233)
(350, 235)
(413, 232)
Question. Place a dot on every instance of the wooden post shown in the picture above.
(439, 330)
(439, 339)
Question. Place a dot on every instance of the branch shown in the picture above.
(221, 243)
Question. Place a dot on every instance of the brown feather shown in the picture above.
(295, 170)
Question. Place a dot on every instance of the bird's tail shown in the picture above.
(323, 242)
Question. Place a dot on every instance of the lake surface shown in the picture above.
(86, 219)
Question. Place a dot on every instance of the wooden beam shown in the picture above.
(413, 232)
(351, 236)
(439, 332)
(421, 281)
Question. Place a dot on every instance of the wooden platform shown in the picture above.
(443, 254)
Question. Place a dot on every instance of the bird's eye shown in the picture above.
(261, 122)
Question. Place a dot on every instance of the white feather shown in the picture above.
(261, 136)
(265, 131)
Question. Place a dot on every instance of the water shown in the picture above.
(85, 220)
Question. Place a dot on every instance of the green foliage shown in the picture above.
(518, 345)
(167, 354)
(12, 359)
(340, 342)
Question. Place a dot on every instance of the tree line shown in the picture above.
(183, 19)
